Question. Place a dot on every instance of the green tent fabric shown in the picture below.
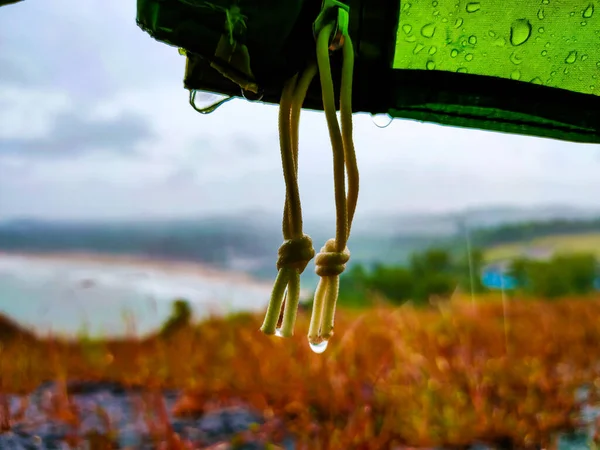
(552, 43)
(516, 66)
(532, 49)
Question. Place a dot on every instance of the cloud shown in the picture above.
(84, 91)
(72, 133)
(91, 49)
(12, 72)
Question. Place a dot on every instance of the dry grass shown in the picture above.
(392, 376)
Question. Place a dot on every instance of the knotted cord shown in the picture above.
(297, 250)
(333, 256)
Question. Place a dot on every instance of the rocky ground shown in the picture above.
(99, 416)
(106, 416)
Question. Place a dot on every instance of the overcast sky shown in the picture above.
(95, 123)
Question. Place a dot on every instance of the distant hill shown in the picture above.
(231, 242)
(451, 223)
(249, 241)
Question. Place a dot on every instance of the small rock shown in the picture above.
(227, 422)
(14, 441)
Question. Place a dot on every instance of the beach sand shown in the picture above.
(63, 291)
(168, 267)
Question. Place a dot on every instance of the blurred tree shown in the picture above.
(181, 317)
(395, 283)
(560, 276)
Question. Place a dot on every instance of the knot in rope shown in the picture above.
(296, 253)
(330, 262)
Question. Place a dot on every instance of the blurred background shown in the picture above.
(117, 198)
(100, 154)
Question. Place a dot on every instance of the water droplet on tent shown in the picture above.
(406, 6)
(436, 13)
(473, 7)
(546, 2)
(520, 31)
(515, 58)
(571, 57)
(566, 71)
(251, 96)
(205, 102)
(492, 34)
(454, 53)
(407, 28)
(445, 20)
(541, 29)
(411, 39)
(318, 347)
(500, 42)
(418, 48)
(540, 14)
(428, 30)
(584, 57)
(583, 23)
(382, 120)
(278, 332)
(472, 40)
(588, 12)
(537, 80)
(434, 3)
(544, 52)
(572, 13)
(433, 50)
(598, 64)
(458, 23)
(553, 73)
(516, 75)
(461, 70)
(469, 57)
(547, 45)
(430, 65)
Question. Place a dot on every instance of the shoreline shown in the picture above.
(170, 267)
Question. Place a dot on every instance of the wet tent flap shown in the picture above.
(267, 27)
(546, 42)
(529, 67)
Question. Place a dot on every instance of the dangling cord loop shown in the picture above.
(297, 250)
(331, 260)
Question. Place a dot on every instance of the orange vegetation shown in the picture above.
(391, 376)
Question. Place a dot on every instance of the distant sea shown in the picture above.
(105, 295)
